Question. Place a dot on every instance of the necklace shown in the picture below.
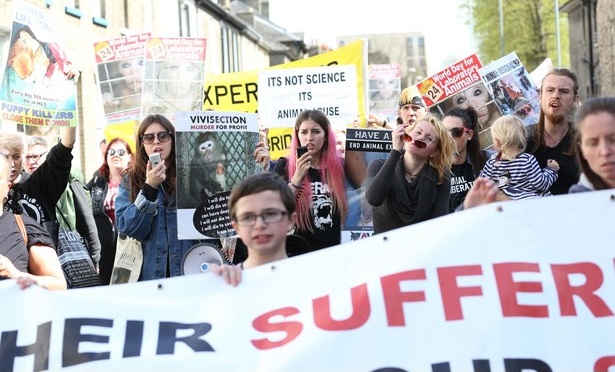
(411, 177)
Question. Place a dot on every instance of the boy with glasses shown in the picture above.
(262, 210)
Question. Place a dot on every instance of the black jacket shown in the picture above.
(107, 233)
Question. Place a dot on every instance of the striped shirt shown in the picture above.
(520, 178)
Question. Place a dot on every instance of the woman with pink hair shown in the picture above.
(317, 179)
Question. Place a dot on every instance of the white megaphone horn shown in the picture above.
(199, 258)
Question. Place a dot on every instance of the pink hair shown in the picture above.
(331, 170)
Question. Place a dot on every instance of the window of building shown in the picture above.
(71, 7)
(410, 46)
(421, 42)
(230, 49)
(187, 19)
(99, 13)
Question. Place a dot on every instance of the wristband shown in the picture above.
(293, 185)
(384, 123)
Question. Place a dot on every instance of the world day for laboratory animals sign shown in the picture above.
(285, 93)
(214, 152)
(521, 298)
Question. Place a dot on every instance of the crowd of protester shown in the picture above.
(435, 167)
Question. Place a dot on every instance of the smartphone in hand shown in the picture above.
(155, 159)
(301, 150)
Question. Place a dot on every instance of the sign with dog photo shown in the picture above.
(38, 87)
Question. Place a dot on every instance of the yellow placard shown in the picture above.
(239, 91)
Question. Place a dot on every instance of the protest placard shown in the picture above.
(384, 89)
(120, 69)
(239, 91)
(214, 152)
(38, 87)
(460, 85)
(512, 88)
(285, 93)
(174, 75)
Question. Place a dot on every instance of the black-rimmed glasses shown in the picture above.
(35, 157)
(121, 152)
(269, 216)
(148, 138)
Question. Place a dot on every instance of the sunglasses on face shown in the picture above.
(459, 131)
(148, 138)
(120, 152)
(421, 144)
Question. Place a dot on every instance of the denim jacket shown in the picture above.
(155, 226)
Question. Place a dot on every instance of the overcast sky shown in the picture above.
(447, 33)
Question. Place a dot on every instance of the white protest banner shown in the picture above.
(513, 286)
(214, 152)
(285, 93)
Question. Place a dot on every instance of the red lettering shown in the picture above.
(565, 290)
(264, 323)
(603, 364)
(508, 289)
(452, 292)
(360, 311)
(394, 298)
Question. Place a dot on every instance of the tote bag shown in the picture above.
(74, 256)
(128, 260)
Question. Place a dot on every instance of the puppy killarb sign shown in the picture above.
(38, 86)
(427, 297)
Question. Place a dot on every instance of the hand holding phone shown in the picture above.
(155, 159)
(301, 150)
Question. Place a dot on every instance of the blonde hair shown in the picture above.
(445, 148)
(510, 131)
(13, 142)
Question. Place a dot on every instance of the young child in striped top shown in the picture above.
(516, 172)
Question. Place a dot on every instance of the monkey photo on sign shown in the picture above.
(207, 167)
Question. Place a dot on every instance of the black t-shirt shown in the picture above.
(461, 182)
(568, 173)
(11, 241)
(325, 219)
(38, 194)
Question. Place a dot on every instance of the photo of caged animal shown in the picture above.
(207, 167)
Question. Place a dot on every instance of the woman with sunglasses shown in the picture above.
(103, 191)
(413, 184)
(145, 207)
(468, 159)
